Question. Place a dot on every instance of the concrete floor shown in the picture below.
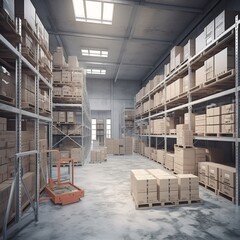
(107, 212)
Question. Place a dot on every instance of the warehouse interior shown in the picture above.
(119, 119)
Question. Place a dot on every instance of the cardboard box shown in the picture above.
(187, 181)
(185, 138)
(58, 58)
(167, 183)
(71, 117)
(194, 195)
(62, 117)
(184, 156)
(228, 119)
(73, 62)
(57, 76)
(184, 169)
(228, 128)
(8, 6)
(169, 161)
(189, 49)
(223, 21)
(227, 109)
(209, 33)
(145, 183)
(224, 61)
(175, 51)
(200, 43)
(203, 168)
(213, 183)
(25, 10)
(184, 195)
(227, 175)
(227, 190)
(203, 179)
(55, 117)
(209, 68)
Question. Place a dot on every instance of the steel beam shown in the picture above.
(106, 37)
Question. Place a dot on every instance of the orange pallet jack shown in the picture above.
(63, 192)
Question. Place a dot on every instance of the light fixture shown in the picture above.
(96, 71)
(93, 11)
(94, 53)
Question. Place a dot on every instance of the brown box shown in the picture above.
(145, 183)
(57, 91)
(189, 49)
(203, 168)
(187, 181)
(228, 119)
(184, 156)
(57, 76)
(229, 108)
(167, 183)
(76, 154)
(228, 128)
(227, 175)
(55, 117)
(213, 183)
(200, 43)
(62, 117)
(203, 179)
(169, 161)
(209, 68)
(194, 195)
(227, 190)
(58, 58)
(209, 33)
(71, 117)
(213, 171)
(184, 195)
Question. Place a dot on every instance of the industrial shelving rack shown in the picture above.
(199, 96)
(18, 113)
(126, 127)
(83, 139)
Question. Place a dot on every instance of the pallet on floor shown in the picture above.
(209, 187)
(190, 202)
(230, 198)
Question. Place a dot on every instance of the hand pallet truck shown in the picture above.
(63, 192)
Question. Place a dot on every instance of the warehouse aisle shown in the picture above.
(107, 212)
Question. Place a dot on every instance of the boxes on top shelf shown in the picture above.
(189, 49)
(25, 10)
(200, 43)
(58, 58)
(224, 61)
(8, 6)
(209, 32)
(176, 52)
(223, 21)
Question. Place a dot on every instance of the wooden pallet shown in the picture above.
(169, 169)
(185, 146)
(26, 27)
(155, 205)
(68, 99)
(76, 164)
(29, 55)
(230, 198)
(6, 99)
(190, 202)
(209, 187)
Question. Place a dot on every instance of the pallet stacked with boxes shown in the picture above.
(100, 132)
(120, 146)
(219, 178)
(156, 188)
(184, 153)
(98, 155)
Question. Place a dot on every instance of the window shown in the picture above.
(108, 128)
(94, 53)
(93, 11)
(94, 129)
(96, 71)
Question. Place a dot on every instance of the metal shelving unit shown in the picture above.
(19, 114)
(126, 129)
(190, 99)
(82, 112)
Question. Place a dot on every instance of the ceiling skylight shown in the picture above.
(94, 53)
(93, 11)
(96, 71)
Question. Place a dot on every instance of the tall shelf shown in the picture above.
(71, 122)
(127, 122)
(35, 113)
(220, 90)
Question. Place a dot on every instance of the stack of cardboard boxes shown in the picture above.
(120, 146)
(144, 187)
(188, 187)
(219, 177)
(99, 155)
(155, 186)
(184, 153)
(169, 161)
(167, 186)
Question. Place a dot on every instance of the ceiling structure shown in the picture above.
(138, 40)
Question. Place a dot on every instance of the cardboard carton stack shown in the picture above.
(219, 177)
(144, 187)
(169, 161)
(228, 119)
(161, 156)
(213, 120)
(200, 124)
(167, 186)
(200, 156)
(184, 153)
(128, 145)
(188, 187)
(98, 155)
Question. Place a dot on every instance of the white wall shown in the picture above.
(107, 95)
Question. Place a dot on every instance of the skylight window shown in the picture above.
(94, 53)
(96, 71)
(93, 11)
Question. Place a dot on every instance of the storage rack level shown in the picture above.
(127, 122)
(13, 59)
(222, 87)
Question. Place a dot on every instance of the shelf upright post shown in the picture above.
(36, 121)
(190, 78)
(165, 117)
(149, 124)
(237, 125)
(18, 161)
